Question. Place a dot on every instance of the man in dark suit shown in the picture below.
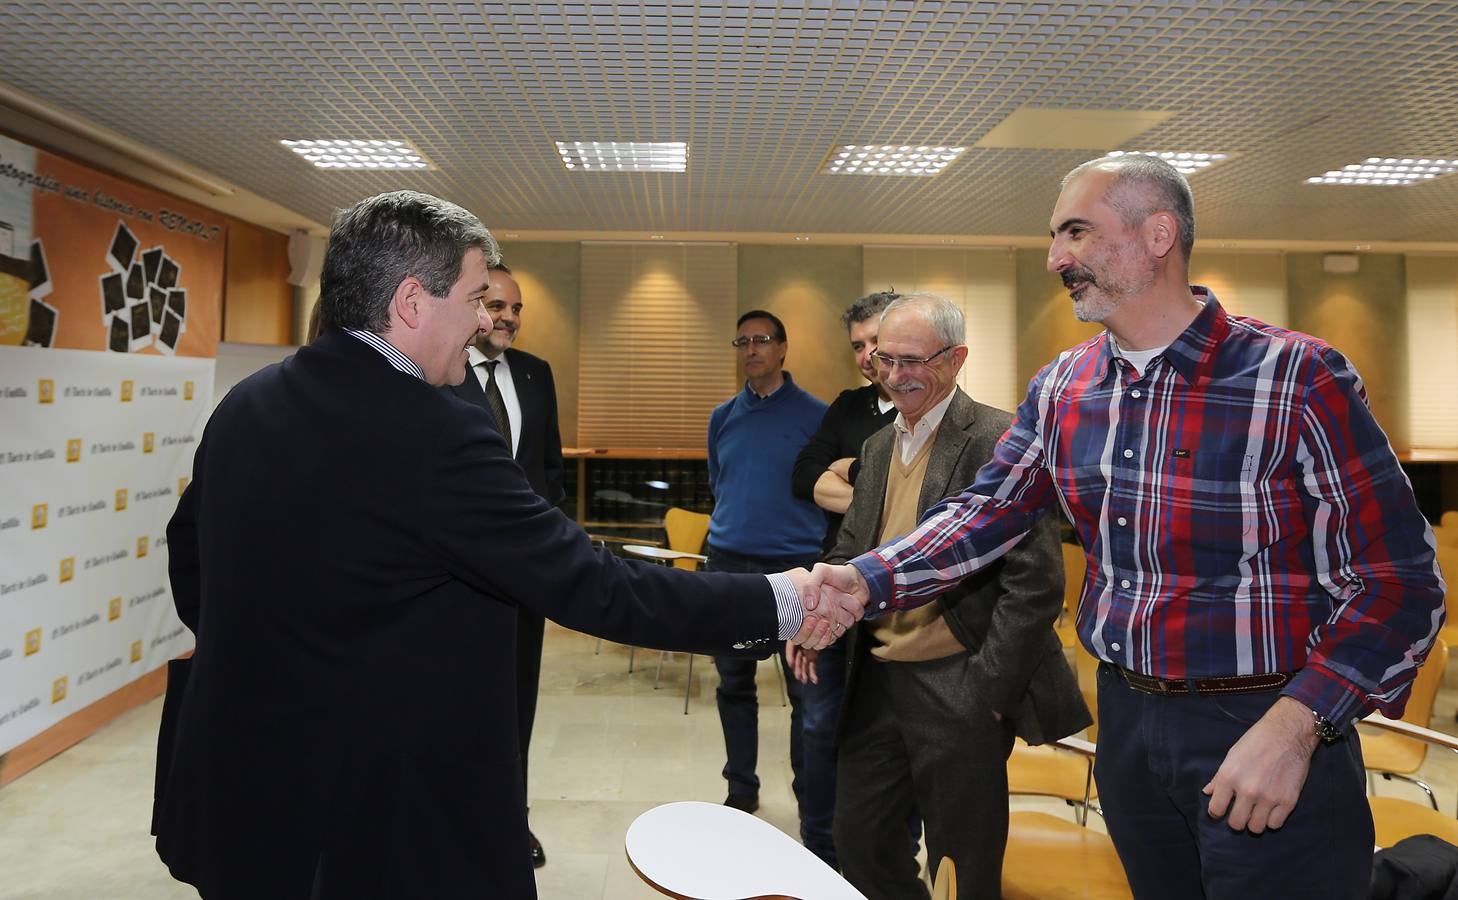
(517, 388)
(351, 554)
(934, 698)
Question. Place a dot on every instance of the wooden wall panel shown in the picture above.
(258, 301)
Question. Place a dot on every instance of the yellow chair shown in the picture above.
(1448, 564)
(686, 532)
(1396, 818)
(1074, 568)
(1053, 771)
(1049, 858)
(945, 887)
(1392, 755)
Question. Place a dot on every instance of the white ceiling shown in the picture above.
(762, 92)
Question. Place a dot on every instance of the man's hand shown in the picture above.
(818, 631)
(1262, 775)
(802, 663)
(837, 587)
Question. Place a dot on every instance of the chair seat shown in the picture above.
(1383, 751)
(1049, 858)
(1048, 771)
(1396, 819)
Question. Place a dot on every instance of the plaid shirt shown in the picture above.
(1241, 510)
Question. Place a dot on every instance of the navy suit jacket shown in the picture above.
(349, 554)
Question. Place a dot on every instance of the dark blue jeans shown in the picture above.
(738, 700)
(1155, 755)
(819, 716)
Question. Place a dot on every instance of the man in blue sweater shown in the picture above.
(759, 526)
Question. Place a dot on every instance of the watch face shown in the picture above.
(1326, 731)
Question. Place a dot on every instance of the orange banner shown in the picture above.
(92, 262)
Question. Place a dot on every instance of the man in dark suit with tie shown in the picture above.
(351, 554)
(517, 389)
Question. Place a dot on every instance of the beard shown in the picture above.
(1101, 296)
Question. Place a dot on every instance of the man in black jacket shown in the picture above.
(517, 389)
(825, 472)
(351, 554)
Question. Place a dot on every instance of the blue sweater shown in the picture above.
(752, 448)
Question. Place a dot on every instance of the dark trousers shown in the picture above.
(738, 697)
(529, 629)
(916, 736)
(1156, 754)
(819, 717)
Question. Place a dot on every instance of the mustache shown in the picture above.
(1076, 274)
(905, 384)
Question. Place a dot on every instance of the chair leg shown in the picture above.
(1388, 776)
(597, 648)
(631, 651)
(688, 684)
(658, 672)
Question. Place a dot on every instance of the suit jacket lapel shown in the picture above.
(950, 443)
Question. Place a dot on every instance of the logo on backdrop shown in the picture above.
(126, 390)
(46, 390)
(181, 485)
(141, 547)
(73, 450)
(58, 689)
(113, 609)
(32, 642)
(121, 499)
(38, 516)
(187, 390)
(68, 569)
(136, 651)
(149, 441)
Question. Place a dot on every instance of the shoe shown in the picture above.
(743, 802)
(539, 856)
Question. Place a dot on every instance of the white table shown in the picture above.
(704, 851)
(661, 554)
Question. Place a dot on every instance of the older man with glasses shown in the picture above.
(934, 696)
(759, 526)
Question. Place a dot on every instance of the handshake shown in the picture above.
(834, 598)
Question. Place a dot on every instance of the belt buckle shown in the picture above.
(1160, 685)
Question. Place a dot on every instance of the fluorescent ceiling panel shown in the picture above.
(1388, 171)
(923, 161)
(1187, 161)
(359, 154)
(624, 156)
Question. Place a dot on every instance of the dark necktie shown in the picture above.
(496, 404)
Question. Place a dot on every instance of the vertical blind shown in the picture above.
(656, 320)
(1432, 344)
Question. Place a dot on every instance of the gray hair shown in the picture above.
(945, 317)
(1144, 185)
(378, 243)
(870, 305)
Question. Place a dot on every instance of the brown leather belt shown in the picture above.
(1235, 684)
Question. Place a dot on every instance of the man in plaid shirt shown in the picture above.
(1259, 576)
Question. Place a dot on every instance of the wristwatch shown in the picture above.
(1326, 730)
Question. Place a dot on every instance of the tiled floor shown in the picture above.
(607, 747)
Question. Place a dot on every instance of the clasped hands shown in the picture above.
(834, 598)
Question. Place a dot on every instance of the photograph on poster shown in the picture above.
(42, 328)
(123, 246)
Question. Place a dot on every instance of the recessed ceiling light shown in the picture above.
(623, 156)
(358, 154)
(1187, 161)
(1388, 171)
(922, 161)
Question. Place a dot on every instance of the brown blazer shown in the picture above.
(1003, 614)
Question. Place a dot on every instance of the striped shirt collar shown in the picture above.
(392, 355)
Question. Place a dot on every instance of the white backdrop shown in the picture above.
(94, 450)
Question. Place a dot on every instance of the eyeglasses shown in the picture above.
(759, 340)
(906, 362)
